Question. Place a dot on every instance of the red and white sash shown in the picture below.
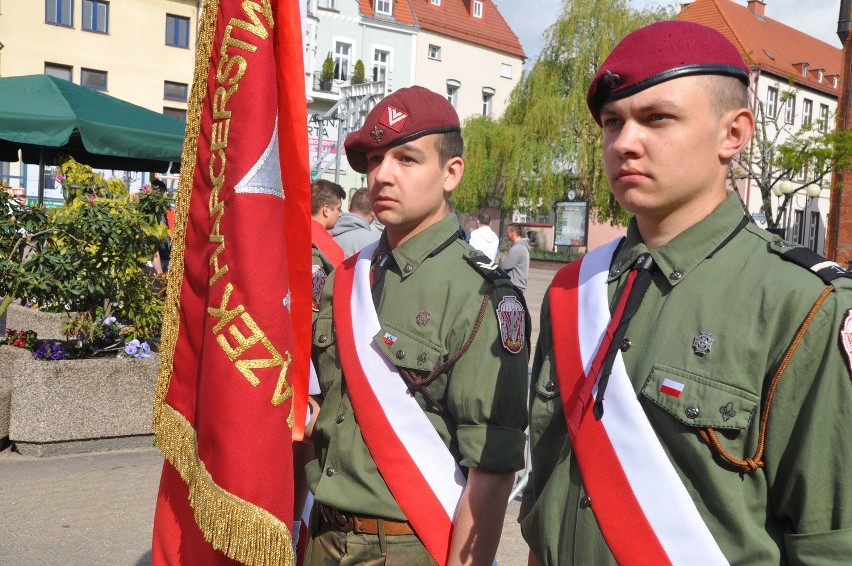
(644, 511)
(419, 470)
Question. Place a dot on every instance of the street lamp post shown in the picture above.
(786, 190)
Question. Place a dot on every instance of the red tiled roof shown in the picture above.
(401, 11)
(777, 48)
(454, 18)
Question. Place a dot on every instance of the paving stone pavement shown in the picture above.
(97, 509)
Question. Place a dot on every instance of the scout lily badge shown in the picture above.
(318, 278)
(511, 316)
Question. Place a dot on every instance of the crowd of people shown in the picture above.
(692, 384)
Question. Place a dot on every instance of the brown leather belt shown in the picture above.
(346, 522)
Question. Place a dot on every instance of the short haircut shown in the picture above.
(449, 145)
(324, 192)
(484, 218)
(726, 93)
(515, 228)
(359, 202)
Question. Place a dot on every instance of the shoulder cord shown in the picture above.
(755, 462)
(417, 383)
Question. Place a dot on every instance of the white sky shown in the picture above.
(529, 18)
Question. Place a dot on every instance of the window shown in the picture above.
(813, 230)
(93, 79)
(381, 59)
(96, 16)
(175, 113)
(505, 70)
(59, 71)
(487, 96)
(807, 112)
(477, 8)
(823, 118)
(453, 87)
(59, 12)
(330, 4)
(771, 102)
(383, 7)
(177, 31)
(341, 60)
(434, 52)
(798, 226)
(175, 91)
(436, 2)
(790, 109)
(820, 75)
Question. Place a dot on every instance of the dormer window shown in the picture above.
(436, 2)
(820, 75)
(477, 8)
(834, 82)
(384, 7)
(804, 69)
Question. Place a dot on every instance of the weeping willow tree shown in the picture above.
(547, 142)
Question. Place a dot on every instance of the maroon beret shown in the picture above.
(399, 118)
(661, 52)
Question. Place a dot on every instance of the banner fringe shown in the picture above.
(239, 529)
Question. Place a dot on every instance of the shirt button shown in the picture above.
(625, 344)
(322, 339)
(400, 354)
(692, 411)
(340, 419)
(549, 386)
(408, 268)
(585, 502)
(330, 472)
(675, 275)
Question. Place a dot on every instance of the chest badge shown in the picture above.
(511, 316)
(318, 278)
(422, 318)
(846, 339)
(702, 343)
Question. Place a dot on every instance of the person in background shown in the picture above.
(516, 262)
(484, 238)
(326, 207)
(352, 231)
(691, 398)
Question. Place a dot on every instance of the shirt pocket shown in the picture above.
(698, 401)
(408, 350)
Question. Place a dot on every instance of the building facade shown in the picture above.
(795, 85)
(141, 51)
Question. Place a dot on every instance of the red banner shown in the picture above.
(232, 387)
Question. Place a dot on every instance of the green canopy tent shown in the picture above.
(42, 117)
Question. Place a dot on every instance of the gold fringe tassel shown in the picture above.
(239, 529)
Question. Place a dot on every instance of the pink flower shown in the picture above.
(91, 199)
(146, 188)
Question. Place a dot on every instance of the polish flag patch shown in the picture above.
(389, 339)
(846, 339)
(393, 118)
(672, 388)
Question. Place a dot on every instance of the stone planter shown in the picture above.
(60, 407)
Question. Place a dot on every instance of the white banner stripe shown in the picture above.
(408, 421)
(658, 488)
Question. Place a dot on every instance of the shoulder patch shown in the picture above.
(826, 270)
(485, 267)
(318, 278)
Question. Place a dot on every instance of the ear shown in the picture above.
(453, 171)
(738, 131)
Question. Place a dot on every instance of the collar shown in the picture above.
(412, 253)
(679, 257)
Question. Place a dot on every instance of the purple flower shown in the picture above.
(108, 320)
(131, 347)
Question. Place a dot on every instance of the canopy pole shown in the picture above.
(40, 176)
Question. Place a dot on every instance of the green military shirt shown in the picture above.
(797, 509)
(320, 268)
(430, 301)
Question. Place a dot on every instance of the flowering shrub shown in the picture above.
(136, 349)
(25, 339)
(50, 351)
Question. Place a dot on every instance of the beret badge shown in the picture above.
(611, 80)
(377, 134)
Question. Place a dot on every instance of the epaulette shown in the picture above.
(485, 266)
(826, 270)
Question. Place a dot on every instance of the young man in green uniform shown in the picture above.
(733, 376)
(448, 337)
